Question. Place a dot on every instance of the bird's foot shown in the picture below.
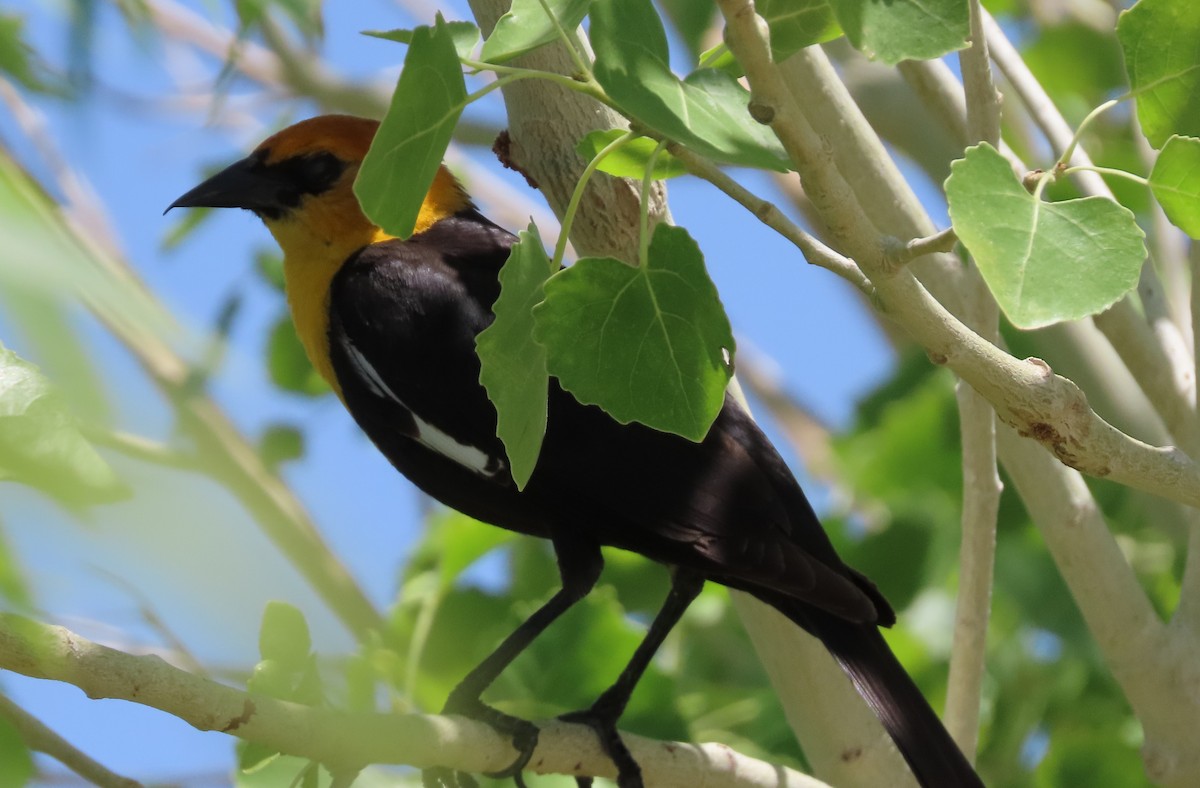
(524, 736)
(604, 723)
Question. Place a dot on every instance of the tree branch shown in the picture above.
(814, 251)
(981, 482)
(1040, 404)
(1026, 394)
(346, 741)
(841, 736)
(40, 738)
(1157, 672)
(977, 553)
(1187, 615)
(228, 456)
(901, 253)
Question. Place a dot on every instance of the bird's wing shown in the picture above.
(403, 320)
(727, 506)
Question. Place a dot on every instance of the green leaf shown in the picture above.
(1056, 52)
(284, 635)
(526, 27)
(453, 542)
(46, 271)
(1175, 181)
(13, 587)
(272, 677)
(408, 148)
(574, 661)
(309, 688)
(254, 757)
(17, 59)
(187, 223)
(895, 30)
(649, 344)
(691, 20)
(305, 14)
(1161, 41)
(465, 35)
(310, 775)
(269, 267)
(280, 443)
(16, 761)
(796, 24)
(707, 111)
(720, 58)
(40, 443)
(288, 364)
(361, 683)
(290, 771)
(1087, 755)
(629, 160)
(1044, 262)
(513, 364)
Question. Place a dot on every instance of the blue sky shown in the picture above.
(187, 536)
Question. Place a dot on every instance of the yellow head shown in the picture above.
(300, 181)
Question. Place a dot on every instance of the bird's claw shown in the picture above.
(629, 774)
(523, 734)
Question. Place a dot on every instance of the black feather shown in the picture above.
(726, 509)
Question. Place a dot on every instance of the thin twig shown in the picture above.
(142, 448)
(1038, 102)
(231, 458)
(935, 85)
(981, 481)
(1061, 138)
(939, 90)
(1026, 394)
(814, 251)
(899, 254)
(1152, 667)
(983, 101)
(981, 504)
(40, 738)
(1187, 615)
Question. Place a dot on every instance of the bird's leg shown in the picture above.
(603, 715)
(579, 565)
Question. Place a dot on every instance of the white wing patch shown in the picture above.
(470, 457)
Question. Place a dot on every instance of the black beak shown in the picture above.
(245, 184)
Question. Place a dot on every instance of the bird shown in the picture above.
(391, 324)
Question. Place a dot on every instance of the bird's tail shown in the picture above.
(860, 649)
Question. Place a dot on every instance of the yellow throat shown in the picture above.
(320, 236)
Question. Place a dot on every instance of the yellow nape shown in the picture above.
(445, 198)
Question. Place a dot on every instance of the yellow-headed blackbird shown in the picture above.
(391, 324)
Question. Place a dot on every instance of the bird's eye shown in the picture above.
(319, 171)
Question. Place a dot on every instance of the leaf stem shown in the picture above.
(560, 248)
(588, 87)
(713, 56)
(1065, 159)
(1107, 171)
(568, 41)
(643, 206)
(500, 82)
(899, 253)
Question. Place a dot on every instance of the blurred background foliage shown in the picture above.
(115, 386)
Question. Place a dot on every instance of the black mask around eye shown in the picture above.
(317, 172)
